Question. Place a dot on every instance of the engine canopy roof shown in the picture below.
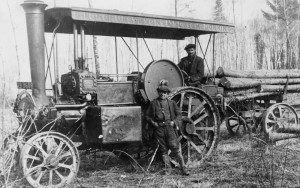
(128, 24)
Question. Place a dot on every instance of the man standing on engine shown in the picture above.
(192, 65)
(165, 116)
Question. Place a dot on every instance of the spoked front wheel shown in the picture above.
(200, 127)
(49, 159)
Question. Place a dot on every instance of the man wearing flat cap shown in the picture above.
(192, 65)
(165, 116)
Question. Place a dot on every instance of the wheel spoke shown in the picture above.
(190, 106)
(66, 154)
(28, 156)
(188, 152)
(196, 147)
(280, 111)
(58, 149)
(59, 175)
(50, 177)
(205, 128)
(30, 170)
(270, 121)
(200, 118)
(181, 100)
(41, 173)
(40, 148)
(48, 140)
(53, 145)
(65, 166)
(273, 115)
(202, 139)
(199, 108)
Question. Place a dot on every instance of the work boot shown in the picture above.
(184, 171)
(168, 168)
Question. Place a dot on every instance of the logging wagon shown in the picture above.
(101, 111)
(261, 100)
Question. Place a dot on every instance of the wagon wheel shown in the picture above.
(201, 121)
(277, 115)
(49, 159)
(236, 126)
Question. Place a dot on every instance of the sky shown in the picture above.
(13, 36)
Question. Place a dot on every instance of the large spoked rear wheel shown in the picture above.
(49, 159)
(200, 127)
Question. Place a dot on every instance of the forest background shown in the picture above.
(266, 37)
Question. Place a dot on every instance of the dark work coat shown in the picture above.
(193, 66)
(166, 135)
(154, 112)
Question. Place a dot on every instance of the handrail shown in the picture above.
(121, 75)
(71, 105)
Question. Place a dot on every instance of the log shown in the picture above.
(249, 96)
(278, 81)
(278, 88)
(231, 83)
(217, 81)
(274, 136)
(238, 92)
(288, 127)
(210, 80)
(292, 73)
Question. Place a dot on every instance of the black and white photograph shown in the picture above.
(149, 93)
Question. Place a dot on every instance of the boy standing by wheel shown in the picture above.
(165, 116)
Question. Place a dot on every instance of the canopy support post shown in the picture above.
(117, 70)
(214, 58)
(137, 55)
(75, 34)
(204, 54)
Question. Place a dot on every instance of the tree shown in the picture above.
(220, 38)
(259, 49)
(282, 10)
(218, 11)
(285, 15)
(96, 50)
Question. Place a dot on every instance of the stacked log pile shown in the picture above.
(258, 82)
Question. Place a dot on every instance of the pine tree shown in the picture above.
(283, 10)
(220, 38)
(218, 11)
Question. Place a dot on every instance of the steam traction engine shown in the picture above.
(98, 111)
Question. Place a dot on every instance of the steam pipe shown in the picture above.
(71, 106)
(34, 10)
(82, 46)
(75, 33)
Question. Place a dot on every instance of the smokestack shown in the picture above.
(35, 31)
